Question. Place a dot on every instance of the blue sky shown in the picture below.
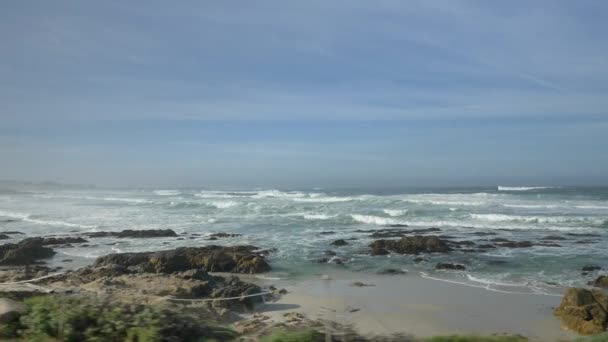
(310, 93)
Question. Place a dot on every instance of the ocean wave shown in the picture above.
(324, 199)
(395, 212)
(167, 192)
(28, 218)
(122, 199)
(377, 220)
(536, 219)
(278, 194)
(591, 207)
(223, 204)
(532, 206)
(318, 216)
(523, 188)
(442, 202)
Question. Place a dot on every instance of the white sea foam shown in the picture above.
(318, 216)
(126, 200)
(535, 219)
(378, 220)
(167, 192)
(28, 218)
(523, 188)
(278, 194)
(532, 206)
(324, 199)
(395, 212)
(591, 207)
(223, 204)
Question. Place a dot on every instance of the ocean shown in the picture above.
(292, 222)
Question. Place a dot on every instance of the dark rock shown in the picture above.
(12, 232)
(601, 281)
(590, 268)
(389, 233)
(4, 237)
(330, 253)
(553, 237)
(411, 245)
(50, 241)
(360, 284)
(340, 242)
(216, 236)
(392, 271)
(24, 252)
(378, 250)
(398, 225)
(234, 287)
(584, 311)
(67, 260)
(179, 238)
(486, 246)
(327, 233)
(449, 266)
(419, 259)
(516, 244)
(584, 242)
(425, 230)
(146, 233)
(583, 234)
(237, 259)
(11, 310)
(548, 244)
(322, 261)
(500, 240)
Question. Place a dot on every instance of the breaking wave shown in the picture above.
(523, 188)
(318, 216)
(223, 204)
(30, 219)
(167, 192)
(378, 220)
(395, 212)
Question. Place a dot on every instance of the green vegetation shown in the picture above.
(598, 338)
(73, 319)
(308, 335)
(476, 339)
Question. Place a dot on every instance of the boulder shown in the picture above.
(237, 259)
(25, 252)
(145, 233)
(590, 268)
(4, 237)
(10, 310)
(601, 281)
(584, 311)
(391, 271)
(216, 236)
(449, 266)
(50, 241)
(411, 245)
(339, 242)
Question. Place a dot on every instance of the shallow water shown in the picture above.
(291, 222)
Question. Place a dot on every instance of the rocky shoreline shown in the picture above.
(183, 274)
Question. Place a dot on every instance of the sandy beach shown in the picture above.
(415, 305)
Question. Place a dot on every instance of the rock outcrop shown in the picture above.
(410, 245)
(237, 259)
(25, 252)
(584, 311)
(601, 281)
(340, 242)
(51, 241)
(146, 233)
(449, 266)
(10, 310)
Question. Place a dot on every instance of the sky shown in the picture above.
(304, 93)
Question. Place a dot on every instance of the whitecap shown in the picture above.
(370, 219)
(395, 212)
(167, 192)
(223, 204)
(318, 216)
(523, 188)
(324, 199)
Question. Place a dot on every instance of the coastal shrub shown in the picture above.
(81, 319)
(598, 338)
(308, 335)
(476, 339)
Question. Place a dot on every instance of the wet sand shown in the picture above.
(415, 305)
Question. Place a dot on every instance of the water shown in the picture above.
(291, 222)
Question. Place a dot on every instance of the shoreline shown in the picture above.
(412, 304)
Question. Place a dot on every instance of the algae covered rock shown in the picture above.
(584, 311)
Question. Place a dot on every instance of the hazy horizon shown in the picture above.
(315, 94)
